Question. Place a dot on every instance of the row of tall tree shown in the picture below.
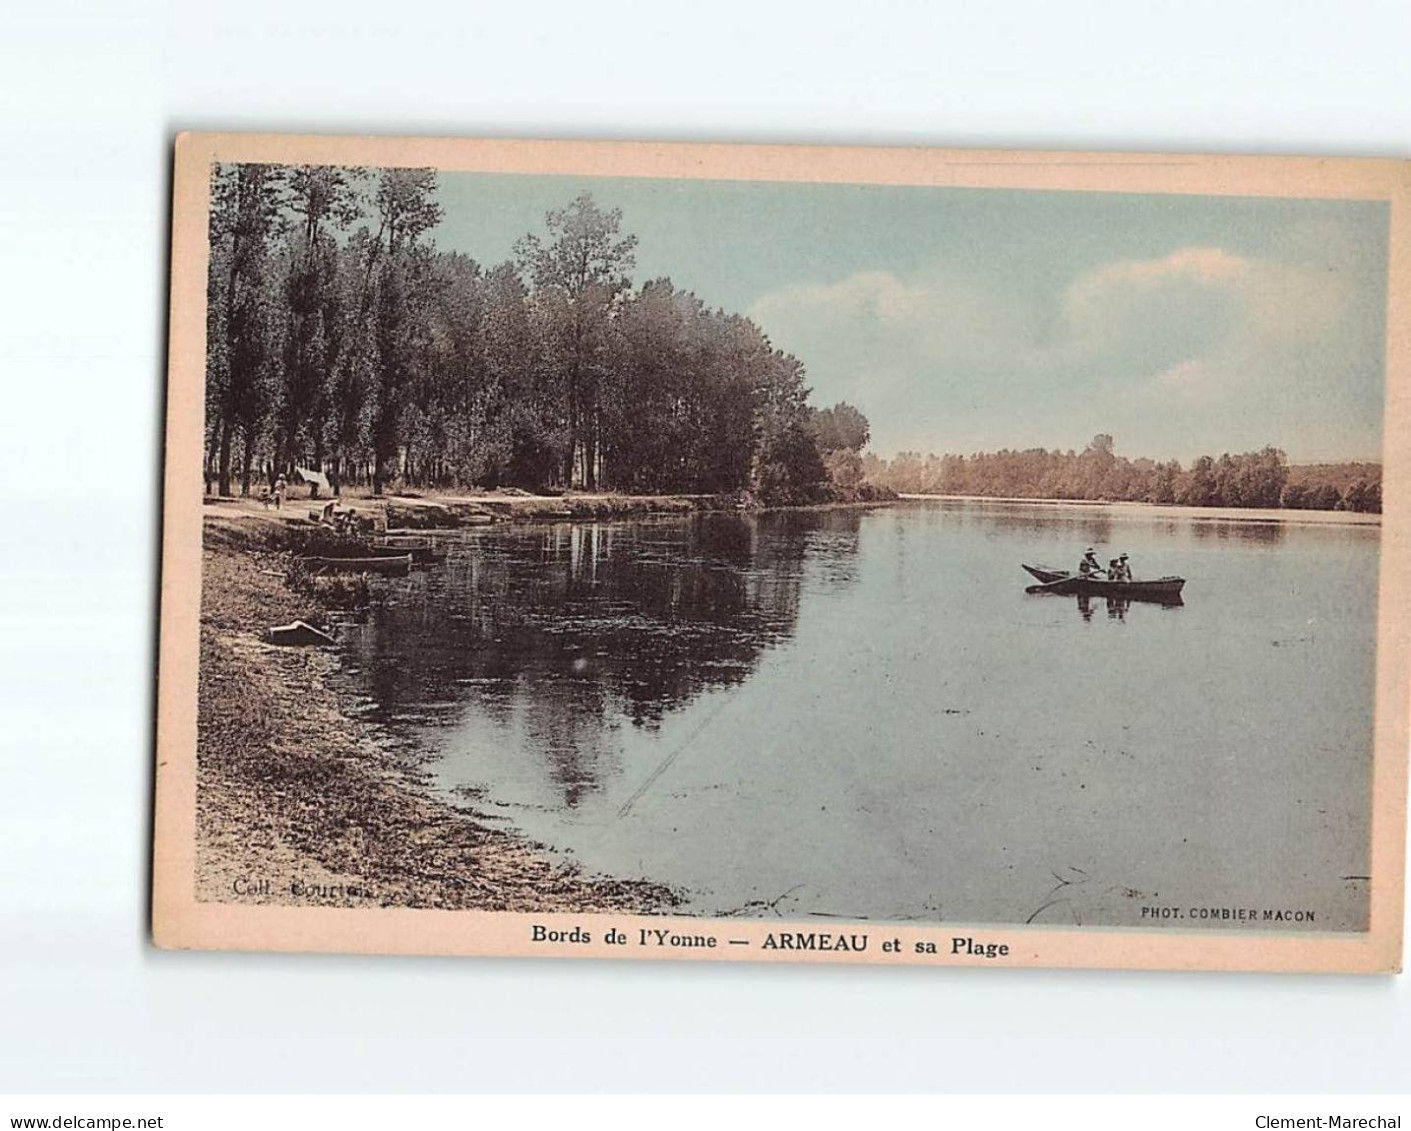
(1249, 479)
(339, 338)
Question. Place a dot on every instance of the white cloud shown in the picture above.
(940, 319)
(1203, 308)
(1200, 328)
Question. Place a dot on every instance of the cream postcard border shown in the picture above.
(180, 921)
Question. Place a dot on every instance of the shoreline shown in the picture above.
(300, 803)
(1213, 514)
(429, 512)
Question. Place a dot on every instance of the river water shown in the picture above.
(862, 713)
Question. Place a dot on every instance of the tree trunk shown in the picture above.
(568, 467)
(377, 470)
(590, 452)
(247, 460)
(224, 473)
(280, 466)
(318, 460)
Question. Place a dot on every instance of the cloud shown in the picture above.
(936, 317)
(1199, 329)
(1150, 315)
(1208, 265)
(1202, 308)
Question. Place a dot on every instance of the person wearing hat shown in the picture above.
(1090, 566)
(1120, 570)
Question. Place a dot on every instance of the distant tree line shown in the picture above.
(1249, 479)
(340, 338)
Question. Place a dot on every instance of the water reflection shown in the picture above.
(1094, 522)
(1081, 523)
(1116, 607)
(566, 633)
(859, 709)
(1226, 529)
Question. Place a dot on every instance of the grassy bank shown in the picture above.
(300, 803)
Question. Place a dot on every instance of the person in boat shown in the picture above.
(1090, 566)
(1124, 571)
(1114, 569)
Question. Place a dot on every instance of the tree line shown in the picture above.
(1249, 479)
(341, 339)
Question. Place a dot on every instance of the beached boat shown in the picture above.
(1067, 583)
(397, 566)
(298, 634)
(422, 550)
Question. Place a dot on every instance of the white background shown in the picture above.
(90, 96)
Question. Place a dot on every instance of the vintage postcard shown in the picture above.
(777, 554)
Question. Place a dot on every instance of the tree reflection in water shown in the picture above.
(571, 631)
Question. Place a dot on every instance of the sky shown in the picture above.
(962, 320)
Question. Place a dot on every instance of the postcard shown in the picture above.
(785, 554)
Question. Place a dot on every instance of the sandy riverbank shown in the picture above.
(300, 803)
(1164, 510)
(450, 510)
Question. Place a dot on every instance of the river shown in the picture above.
(862, 714)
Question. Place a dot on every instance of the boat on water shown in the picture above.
(1067, 583)
(422, 550)
(1045, 574)
(398, 566)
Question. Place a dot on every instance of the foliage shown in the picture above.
(841, 433)
(342, 339)
(1250, 479)
(241, 331)
(841, 428)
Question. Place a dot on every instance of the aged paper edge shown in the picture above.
(180, 921)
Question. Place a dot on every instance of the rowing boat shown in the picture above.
(422, 550)
(387, 567)
(1066, 583)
